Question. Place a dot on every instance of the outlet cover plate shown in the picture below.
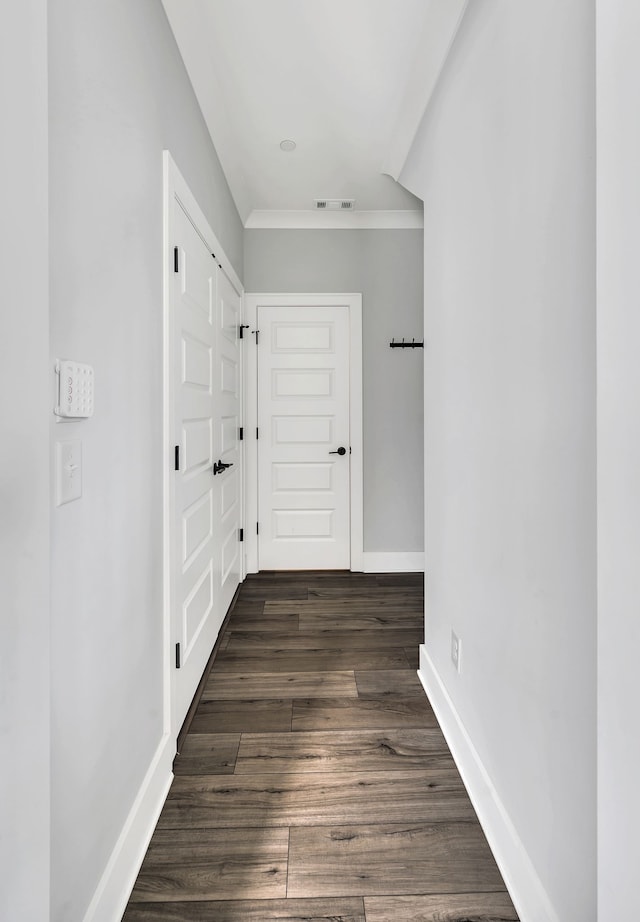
(455, 650)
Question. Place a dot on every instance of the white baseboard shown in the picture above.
(113, 891)
(525, 887)
(393, 562)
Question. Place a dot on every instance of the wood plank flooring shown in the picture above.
(314, 784)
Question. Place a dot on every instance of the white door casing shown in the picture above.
(304, 393)
(228, 419)
(202, 414)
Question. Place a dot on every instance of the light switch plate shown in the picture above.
(68, 471)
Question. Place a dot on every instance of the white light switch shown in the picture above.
(68, 471)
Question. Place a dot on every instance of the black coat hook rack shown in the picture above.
(403, 345)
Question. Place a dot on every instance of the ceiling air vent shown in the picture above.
(335, 204)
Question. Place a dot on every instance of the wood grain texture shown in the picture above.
(266, 641)
(207, 754)
(314, 784)
(265, 621)
(338, 606)
(247, 607)
(390, 860)
(321, 798)
(362, 713)
(274, 591)
(349, 750)
(313, 577)
(286, 685)
(326, 910)
(376, 593)
(231, 716)
(368, 619)
(401, 580)
(386, 682)
(199, 864)
(310, 660)
(413, 656)
(444, 907)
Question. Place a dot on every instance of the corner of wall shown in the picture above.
(525, 887)
(112, 893)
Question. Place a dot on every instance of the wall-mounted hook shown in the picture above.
(405, 345)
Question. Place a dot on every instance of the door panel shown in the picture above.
(206, 508)
(303, 415)
(228, 450)
(195, 614)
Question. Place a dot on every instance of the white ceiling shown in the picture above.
(347, 80)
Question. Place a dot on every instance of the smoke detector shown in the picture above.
(335, 204)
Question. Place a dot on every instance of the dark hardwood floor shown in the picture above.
(314, 784)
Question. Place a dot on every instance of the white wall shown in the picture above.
(24, 469)
(618, 68)
(505, 163)
(119, 94)
(386, 266)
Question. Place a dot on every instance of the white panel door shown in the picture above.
(227, 415)
(303, 446)
(195, 577)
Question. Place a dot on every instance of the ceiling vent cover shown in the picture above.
(335, 204)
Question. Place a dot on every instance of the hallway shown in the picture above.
(314, 783)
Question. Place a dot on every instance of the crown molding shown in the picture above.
(335, 220)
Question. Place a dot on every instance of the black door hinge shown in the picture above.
(176, 263)
(257, 528)
(241, 434)
(257, 433)
(241, 536)
(176, 458)
(177, 656)
(241, 329)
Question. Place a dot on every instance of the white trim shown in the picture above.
(252, 302)
(169, 173)
(393, 562)
(525, 887)
(112, 893)
(336, 220)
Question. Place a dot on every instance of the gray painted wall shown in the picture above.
(386, 266)
(505, 163)
(119, 94)
(24, 468)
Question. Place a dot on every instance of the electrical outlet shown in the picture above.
(455, 650)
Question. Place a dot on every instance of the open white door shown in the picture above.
(203, 485)
(195, 557)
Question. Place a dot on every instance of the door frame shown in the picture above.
(353, 301)
(175, 189)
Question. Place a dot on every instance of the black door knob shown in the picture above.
(339, 451)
